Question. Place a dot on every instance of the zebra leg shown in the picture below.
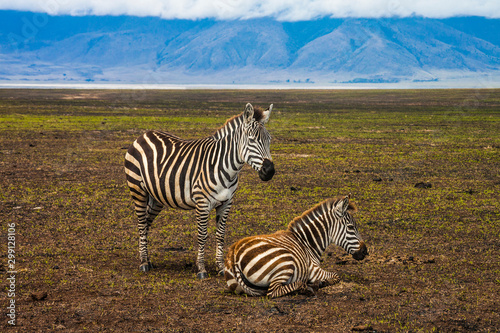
(333, 279)
(320, 278)
(202, 212)
(221, 217)
(278, 288)
(146, 211)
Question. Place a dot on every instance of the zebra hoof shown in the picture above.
(145, 267)
(202, 275)
(308, 291)
(332, 281)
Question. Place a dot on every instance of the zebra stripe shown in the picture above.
(289, 260)
(165, 170)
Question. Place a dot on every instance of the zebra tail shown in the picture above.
(248, 290)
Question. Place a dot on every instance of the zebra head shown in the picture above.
(256, 140)
(346, 234)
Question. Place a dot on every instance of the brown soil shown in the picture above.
(433, 266)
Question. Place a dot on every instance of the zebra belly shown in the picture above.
(173, 198)
(167, 168)
(264, 263)
(287, 277)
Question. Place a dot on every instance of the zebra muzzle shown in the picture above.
(361, 253)
(267, 171)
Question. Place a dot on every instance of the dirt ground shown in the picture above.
(423, 168)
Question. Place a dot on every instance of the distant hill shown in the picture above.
(39, 47)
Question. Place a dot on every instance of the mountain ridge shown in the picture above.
(39, 47)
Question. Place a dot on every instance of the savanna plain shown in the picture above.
(422, 167)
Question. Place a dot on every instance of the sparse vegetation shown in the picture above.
(433, 263)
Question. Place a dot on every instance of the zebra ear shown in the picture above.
(248, 113)
(343, 204)
(266, 114)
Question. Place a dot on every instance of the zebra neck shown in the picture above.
(231, 127)
(227, 140)
(313, 236)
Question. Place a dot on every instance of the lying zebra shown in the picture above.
(287, 261)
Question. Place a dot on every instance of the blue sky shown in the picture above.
(284, 10)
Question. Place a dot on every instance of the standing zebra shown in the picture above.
(287, 261)
(164, 170)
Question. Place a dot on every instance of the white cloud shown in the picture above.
(285, 10)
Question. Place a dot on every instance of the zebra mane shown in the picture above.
(258, 114)
(317, 211)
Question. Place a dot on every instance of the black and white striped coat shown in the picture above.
(289, 260)
(165, 170)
